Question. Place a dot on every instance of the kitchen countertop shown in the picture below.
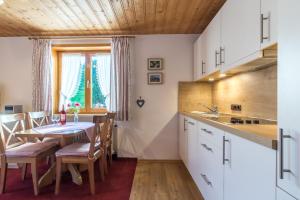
(265, 135)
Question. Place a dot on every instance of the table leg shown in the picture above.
(76, 176)
(48, 177)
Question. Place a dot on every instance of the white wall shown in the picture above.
(15, 72)
(152, 133)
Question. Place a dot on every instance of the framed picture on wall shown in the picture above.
(155, 78)
(155, 64)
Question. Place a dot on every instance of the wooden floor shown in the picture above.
(163, 180)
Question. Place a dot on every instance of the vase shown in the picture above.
(76, 118)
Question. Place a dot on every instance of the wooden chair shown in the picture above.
(85, 153)
(37, 119)
(111, 116)
(16, 150)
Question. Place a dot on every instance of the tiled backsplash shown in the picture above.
(256, 91)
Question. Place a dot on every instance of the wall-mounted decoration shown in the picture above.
(155, 78)
(155, 64)
(140, 102)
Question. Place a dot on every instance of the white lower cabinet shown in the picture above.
(249, 170)
(210, 170)
(225, 166)
(182, 138)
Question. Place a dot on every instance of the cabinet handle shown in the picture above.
(184, 125)
(202, 66)
(206, 179)
(224, 145)
(282, 170)
(216, 58)
(262, 19)
(207, 131)
(222, 58)
(206, 147)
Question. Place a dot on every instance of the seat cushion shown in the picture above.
(29, 149)
(76, 149)
(53, 140)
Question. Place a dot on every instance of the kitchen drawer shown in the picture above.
(210, 175)
(213, 134)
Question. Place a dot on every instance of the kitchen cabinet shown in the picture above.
(282, 195)
(236, 35)
(192, 147)
(211, 45)
(225, 166)
(268, 23)
(198, 59)
(183, 138)
(240, 25)
(249, 170)
(209, 164)
(288, 175)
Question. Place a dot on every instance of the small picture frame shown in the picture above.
(155, 78)
(155, 64)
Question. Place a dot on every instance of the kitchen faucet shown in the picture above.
(213, 109)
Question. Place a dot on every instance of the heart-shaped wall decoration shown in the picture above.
(140, 102)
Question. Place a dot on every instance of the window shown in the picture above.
(83, 76)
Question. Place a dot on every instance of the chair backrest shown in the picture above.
(9, 125)
(100, 133)
(111, 116)
(37, 119)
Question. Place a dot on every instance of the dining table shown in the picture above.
(66, 134)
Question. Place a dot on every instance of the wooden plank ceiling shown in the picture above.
(105, 17)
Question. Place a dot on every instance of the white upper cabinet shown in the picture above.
(240, 25)
(211, 45)
(268, 23)
(249, 170)
(236, 35)
(289, 96)
(198, 59)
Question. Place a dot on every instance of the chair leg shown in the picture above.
(110, 155)
(105, 162)
(3, 174)
(91, 176)
(34, 172)
(24, 170)
(58, 175)
(101, 167)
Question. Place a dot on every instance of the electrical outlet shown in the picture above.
(236, 107)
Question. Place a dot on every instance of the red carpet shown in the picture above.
(117, 185)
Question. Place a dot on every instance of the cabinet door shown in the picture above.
(240, 30)
(282, 195)
(288, 92)
(250, 172)
(211, 45)
(289, 159)
(192, 147)
(182, 137)
(210, 169)
(198, 59)
(269, 22)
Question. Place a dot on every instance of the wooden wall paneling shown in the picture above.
(160, 19)
(96, 17)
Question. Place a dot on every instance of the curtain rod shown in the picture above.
(78, 37)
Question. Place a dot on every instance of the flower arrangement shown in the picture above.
(73, 108)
